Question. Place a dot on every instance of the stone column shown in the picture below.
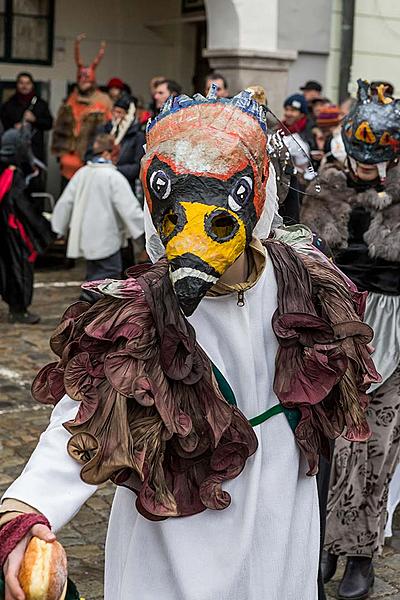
(242, 45)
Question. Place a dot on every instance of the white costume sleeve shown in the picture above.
(50, 482)
(127, 205)
(61, 217)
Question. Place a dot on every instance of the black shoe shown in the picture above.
(328, 565)
(24, 317)
(358, 578)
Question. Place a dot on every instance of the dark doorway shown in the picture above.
(202, 66)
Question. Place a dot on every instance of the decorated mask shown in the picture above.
(204, 175)
(371, 131)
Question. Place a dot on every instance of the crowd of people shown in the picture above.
(91, 119)
(334, 168)
(98, 126)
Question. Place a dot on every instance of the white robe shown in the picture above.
(265, 546)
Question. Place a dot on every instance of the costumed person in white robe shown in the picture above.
(205, 386)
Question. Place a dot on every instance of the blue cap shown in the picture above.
(297, 101)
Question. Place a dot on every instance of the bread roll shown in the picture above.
(43, 573)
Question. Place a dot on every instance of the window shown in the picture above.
(26, 31)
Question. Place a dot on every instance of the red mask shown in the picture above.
(87, 73)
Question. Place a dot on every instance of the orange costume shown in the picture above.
(79, 116)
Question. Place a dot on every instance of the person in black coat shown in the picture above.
(25, 106)
(23, 232)
(129, 138)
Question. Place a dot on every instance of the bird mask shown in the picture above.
(204, 175)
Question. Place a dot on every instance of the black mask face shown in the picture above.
(204, 224)
(371, 131)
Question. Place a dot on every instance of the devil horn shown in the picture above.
(363, 91)
(78, 40)
(99, 55)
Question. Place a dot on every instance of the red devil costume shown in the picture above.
(85, 108)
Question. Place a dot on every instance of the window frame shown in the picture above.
(8, 27)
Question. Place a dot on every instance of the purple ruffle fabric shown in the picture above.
(151, 415)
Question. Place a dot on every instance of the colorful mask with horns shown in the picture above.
(204, 175)
(87, 73)
(371, 131)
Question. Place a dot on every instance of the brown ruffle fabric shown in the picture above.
(151, 416)
(323, 365)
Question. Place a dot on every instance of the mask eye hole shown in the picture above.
(240, 194)
(365, 134)
(169, 223)
(221, 226)
(160, 184)
(385, 139)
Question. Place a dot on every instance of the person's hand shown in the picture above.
(29, 116)
(14, 560)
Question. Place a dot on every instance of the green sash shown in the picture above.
(292, 414)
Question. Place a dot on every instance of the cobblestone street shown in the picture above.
(23, 350)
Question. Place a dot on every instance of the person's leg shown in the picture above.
(323, 489)
(19, 290)
(359, 486)
(103, 268)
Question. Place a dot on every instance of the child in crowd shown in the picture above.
(99, 212)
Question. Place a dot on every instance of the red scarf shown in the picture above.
(6, 179)
(298, 126)
(25, 99)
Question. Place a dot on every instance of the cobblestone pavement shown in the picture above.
(23, 350)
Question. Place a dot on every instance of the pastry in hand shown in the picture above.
(43, 573)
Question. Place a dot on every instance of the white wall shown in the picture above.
(376, 50)
(242, 24)
(305, 26)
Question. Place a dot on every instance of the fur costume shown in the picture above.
(328, 212)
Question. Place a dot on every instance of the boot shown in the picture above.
(328, 565)
(23, 317)
(358, 578)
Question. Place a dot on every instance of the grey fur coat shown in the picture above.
(328, 212)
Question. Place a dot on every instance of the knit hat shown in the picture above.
(297, 101)
(115, 82)
(329, 116)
